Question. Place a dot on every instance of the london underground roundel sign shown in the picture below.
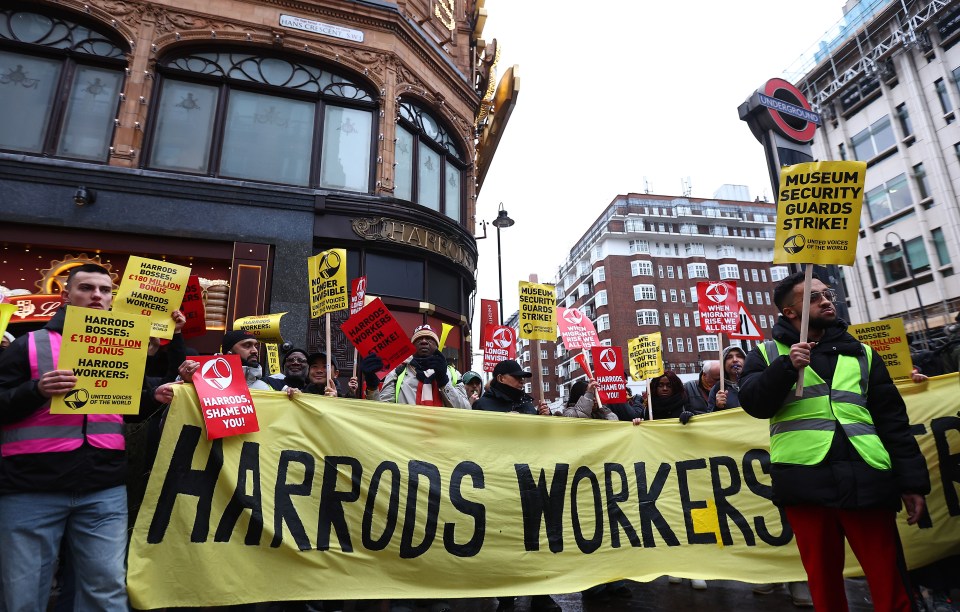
(789, 110)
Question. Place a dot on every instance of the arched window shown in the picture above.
(429, 164)
(60, 85)
(262, 117)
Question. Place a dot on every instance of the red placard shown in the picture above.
(192, 308)
(358, 290)
(576, 330)
(33, 308)
(608, 368)
(717, 302)
(225, 400)
(499, 344)
(489, 315)
(374, 330)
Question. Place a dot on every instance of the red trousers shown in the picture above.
(874, 540)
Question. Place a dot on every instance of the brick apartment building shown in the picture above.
(635, 272)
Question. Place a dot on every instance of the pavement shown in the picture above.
(725, 595)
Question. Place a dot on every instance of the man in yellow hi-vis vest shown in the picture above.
(843, 458)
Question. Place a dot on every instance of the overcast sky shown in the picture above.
(613, 91)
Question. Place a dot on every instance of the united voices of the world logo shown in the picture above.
(794, 244)
(329, 264)
(76, 399)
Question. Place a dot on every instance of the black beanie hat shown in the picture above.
(232, 337)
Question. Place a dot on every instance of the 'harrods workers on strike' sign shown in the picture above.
(818, 212)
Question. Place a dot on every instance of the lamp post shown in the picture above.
(889, 249)
(502, 220)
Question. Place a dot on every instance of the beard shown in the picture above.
(822, 322)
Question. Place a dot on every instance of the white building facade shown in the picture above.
(886, 81)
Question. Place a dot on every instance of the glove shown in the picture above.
(369, 366)
(685, 417)
(438, 363)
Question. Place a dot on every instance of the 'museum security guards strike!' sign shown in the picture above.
(818, 212)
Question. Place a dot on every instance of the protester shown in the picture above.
(506, 392)
(582, 402)
(319, 383)
(293, 371)
(61, 484)
(6, 340)
(424, 379)
(669, 398)
(733, 358)
(472, 386)
(698, 391)
(842, 455)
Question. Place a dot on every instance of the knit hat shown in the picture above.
(232, 337)
(295, 350)
(8, 336)
(730, 348)
(425, 330)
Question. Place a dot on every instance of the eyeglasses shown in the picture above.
(827, 294)
(294, 360)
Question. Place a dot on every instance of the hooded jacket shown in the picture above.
(731, 386)
(843, 479)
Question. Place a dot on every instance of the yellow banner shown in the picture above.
(818, 212)
(6, 311)
(889, 338)
(538, 311)
(646, 356)
(154, 289)
(266, 328)
(328, 282)
(107, 352)
(273, 358)
(410, 508)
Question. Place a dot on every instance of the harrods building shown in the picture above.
(240, 137)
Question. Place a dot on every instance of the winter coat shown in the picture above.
(843, 479)
(501, 398)
(696, 403)
(585, 409)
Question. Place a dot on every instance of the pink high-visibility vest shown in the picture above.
(42, 432)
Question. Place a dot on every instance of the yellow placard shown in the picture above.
(328, 282)
(449, 503)
(154, 289)
(266, 327)
(538, 311)
(107, 352)
(889, 338)
(818, 212)
(6, 311)
(646, 356)
(273, 358)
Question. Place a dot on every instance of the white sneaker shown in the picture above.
(699, 584)
(674, 580)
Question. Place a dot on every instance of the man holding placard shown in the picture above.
(842, 453)
(62, 475)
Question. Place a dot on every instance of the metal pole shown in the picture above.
(913, 281)
(500, 273)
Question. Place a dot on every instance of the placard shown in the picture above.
(499, 344)
(374, 330)
(608, 372)
(718, 306)
(193, 309)
(265, 327)
(154, 289)
(224, 398)
(576, 329)
(328, 282)
(646, 359)
(889, 338)
(107, 352)
(538, 311)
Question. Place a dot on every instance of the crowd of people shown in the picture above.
(844, 460)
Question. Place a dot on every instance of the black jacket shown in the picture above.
(842, 479)
(501, 398)
(696, 403)
(85, 469)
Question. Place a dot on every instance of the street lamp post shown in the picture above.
(502, 220)
(889, 249)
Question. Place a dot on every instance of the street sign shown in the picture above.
(748, 327)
